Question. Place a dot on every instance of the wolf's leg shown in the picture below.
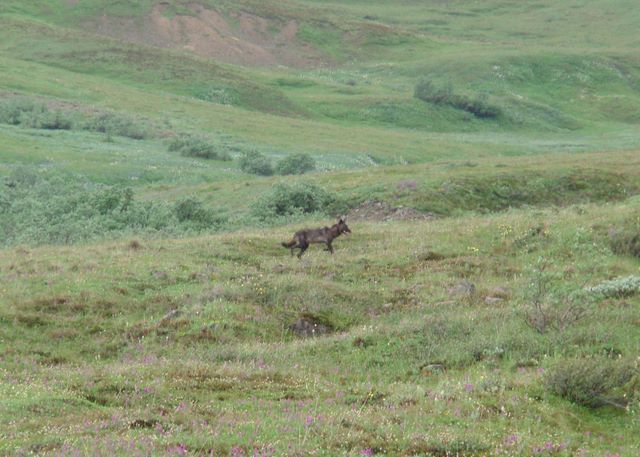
(303, 247)
(329, 247)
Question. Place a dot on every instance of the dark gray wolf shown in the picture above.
(303, 238)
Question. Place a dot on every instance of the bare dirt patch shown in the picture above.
(240, 38)
(374, 210)
(309, 325)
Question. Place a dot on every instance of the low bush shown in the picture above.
(28, 113)
(295, 164)
(289, 199)
(428, 92)
(117, 125)
(625, 239)
(195, 146)
(593, 382)
(256, 163)
(480, 107)
(192, 210)
(617, 288)
(626, 242)
(56, 208)
(553, 304)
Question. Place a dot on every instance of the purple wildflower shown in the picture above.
(511, 440)
(180, 449)
(237, 451)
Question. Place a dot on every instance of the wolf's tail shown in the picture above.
(290, 243)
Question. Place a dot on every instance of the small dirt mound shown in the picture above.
(308, 325)
(374, 210)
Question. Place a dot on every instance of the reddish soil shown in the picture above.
(242, 38)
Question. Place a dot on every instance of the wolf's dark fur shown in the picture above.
(303, 238)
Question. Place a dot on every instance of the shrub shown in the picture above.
(112, 199)
(27, 113)
(285, 199)
(192, 210)
(255, 163)
(428, 92)
(593, 382)
(117, 125)
(619, 287)
(625, 239)
(480, 107)
(11, 110)
(194, 146)
(43, 118)
(626, 242)
(59, 208)
(553, 304)
(295, 164)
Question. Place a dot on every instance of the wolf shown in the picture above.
(303, 238)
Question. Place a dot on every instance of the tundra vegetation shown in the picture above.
(147, 180)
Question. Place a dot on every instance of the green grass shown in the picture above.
(228, 372)
(105, 231)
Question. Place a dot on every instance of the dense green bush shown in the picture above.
(619, 287)
(480, 107)
(295, 164)
(192, 210)
(256, 163)
(427, 91)
(625, 239)
(57, 208)
(27, 113)
(593, 382)
(117, 125)
(195, 146)
(626, 242)
(288, 199)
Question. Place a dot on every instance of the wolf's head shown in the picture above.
(342, 225)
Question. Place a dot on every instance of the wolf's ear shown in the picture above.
(342, 219)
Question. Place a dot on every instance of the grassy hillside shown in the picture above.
(488, 156)
(430, 342)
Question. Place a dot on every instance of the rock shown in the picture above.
(409, 185)
(173, 314)
(465, 287)
(211, 327)
(279, 268)
(500, 292)
(429, 256)
(308, 326)
(432, 368)
(159, 274)
(143, 423)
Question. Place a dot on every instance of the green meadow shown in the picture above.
(154, 155)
